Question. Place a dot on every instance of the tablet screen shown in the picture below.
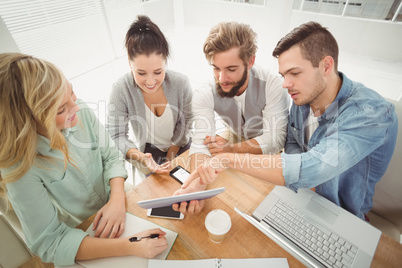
(168, 201)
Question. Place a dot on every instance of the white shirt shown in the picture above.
(160, 129)
(311, 126)
(241, 101)
(275, 115)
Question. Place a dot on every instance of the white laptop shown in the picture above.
(314, 230)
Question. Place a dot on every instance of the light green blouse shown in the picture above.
(50, 201)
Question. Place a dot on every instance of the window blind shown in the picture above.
(120, 14)
(76, 35)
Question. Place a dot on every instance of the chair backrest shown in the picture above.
(11, 217)
(387, 201)
(13, 250)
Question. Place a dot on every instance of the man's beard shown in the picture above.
(236, 87)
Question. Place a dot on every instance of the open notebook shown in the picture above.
(134, 225)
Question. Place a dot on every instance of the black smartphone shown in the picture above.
(165, 212)
(179, 173)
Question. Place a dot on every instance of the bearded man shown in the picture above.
(251, 102)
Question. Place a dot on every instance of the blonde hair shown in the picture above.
(31, 91)
(227, 35)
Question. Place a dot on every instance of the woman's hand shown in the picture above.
(146, 160)
(153, 166)
(149, 247)
(110, 219)
(172, 152)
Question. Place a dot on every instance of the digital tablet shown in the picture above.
(168, 201)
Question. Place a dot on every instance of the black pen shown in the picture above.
(137, 239)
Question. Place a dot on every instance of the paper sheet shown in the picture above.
(221, 263)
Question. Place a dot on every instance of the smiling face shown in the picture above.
(67, 113)
(148, 72)
(304, 82)
(230, 72)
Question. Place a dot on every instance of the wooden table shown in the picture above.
(243, 240)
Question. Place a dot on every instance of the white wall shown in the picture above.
(374, 38)
(270, 22)
(160, 11)
(370, 50)
(7, 41)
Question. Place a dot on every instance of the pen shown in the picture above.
(137, 239)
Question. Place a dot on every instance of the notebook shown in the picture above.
(221, 263)
(314, 230)
(133, 225)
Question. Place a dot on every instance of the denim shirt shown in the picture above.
(50, 200)
(349, 151)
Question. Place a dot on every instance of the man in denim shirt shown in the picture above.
(341, 135)
(352, 128)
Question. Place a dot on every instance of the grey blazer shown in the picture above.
(126, 104)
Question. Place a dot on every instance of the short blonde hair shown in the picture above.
(31, 91)
(227, 35)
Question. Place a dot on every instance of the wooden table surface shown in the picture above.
(243, 240)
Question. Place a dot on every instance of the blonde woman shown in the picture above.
(58, 167)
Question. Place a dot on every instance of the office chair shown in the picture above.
(13, 250)
(11, 217)
(386, 214)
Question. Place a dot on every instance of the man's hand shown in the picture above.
(207, 172)
(194, 206)
(218, 145)
(197, 181)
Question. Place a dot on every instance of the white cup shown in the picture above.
(218, 223)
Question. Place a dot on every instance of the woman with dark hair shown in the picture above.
(156, 101)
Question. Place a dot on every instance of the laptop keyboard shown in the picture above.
(327, 247)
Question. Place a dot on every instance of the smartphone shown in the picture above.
(165, 212)
(179, 174)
